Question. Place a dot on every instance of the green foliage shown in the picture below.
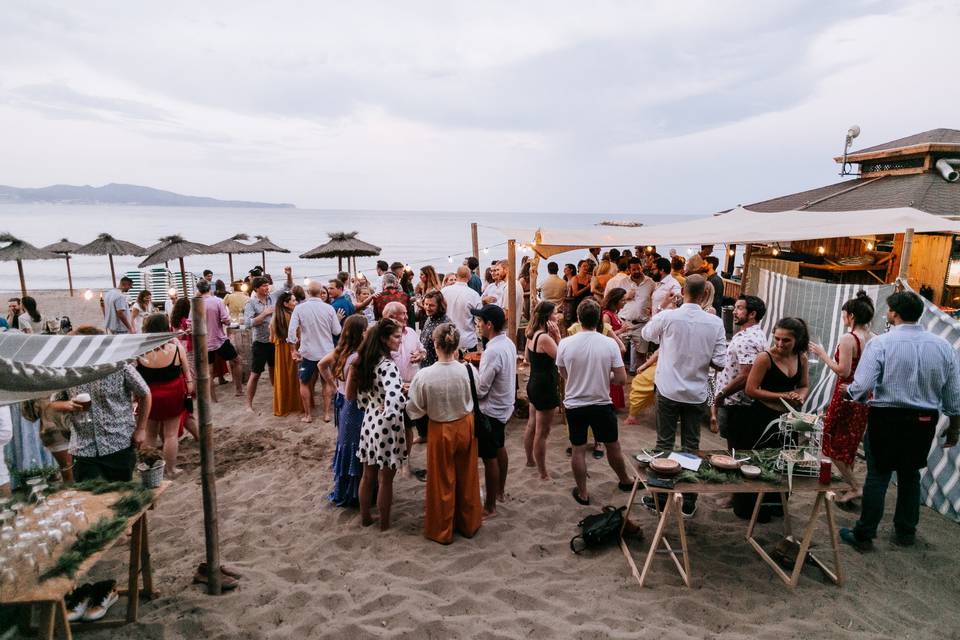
(50, 474)
(131, 504)
(87, 543)
(706, 473)
(100, 486)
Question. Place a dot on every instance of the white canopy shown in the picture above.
(740, 226)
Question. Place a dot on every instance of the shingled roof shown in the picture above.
(934, 136)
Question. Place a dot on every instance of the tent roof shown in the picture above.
(233, 245)
(173, 247)
(263, 244)
(343, 244)
(20, 250)
(741, 226)
(64, 246)
(106, 244)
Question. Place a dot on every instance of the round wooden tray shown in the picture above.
(724, 462)
(665, 467)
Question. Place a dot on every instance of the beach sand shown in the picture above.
(310, 570)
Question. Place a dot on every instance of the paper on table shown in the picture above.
(687, 461)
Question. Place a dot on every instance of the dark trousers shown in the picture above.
(669, 412)
(113, 467)
(907, 513)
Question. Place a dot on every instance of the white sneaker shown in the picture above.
(104, 596)
(78, 601)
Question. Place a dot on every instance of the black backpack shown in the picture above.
(598, 530)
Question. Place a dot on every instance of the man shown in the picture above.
(637, 312)
(497, 393)
(397, 269)
(461, 302)
(554, 288)
(593, 255)
(475, 282)
(104, 435)
(318, 326)
(913, 376)
(257, 314)
(338, 299)
(589, 362)
(713, 263)
(116, 309)
(747, 343)
(619, 279)
(706, 250)
(691, 341)
(666, 287)
(217, 342)
(13, 313)
(208, 275)
(407, 359)
(677, 265)
(344, 277)
(496, 291)
(391, 293)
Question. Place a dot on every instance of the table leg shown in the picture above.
(685, 569)
(805, 542)
(60, 617)
(785, 501)
(753, 517)
(146, 566)
(836, 575)
(47, 619)
(133, 581)
(626, 516)
(657, 535)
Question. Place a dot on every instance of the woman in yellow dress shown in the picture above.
(286, 385)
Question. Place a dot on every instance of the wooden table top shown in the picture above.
(95, 507)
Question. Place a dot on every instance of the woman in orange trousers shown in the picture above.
(286, 384)
(442, 393)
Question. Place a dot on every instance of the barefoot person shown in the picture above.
(589, 361)
(257, 313)
(497, 393)
(846, 420)
(543, 334)
(318, 324)
(441, 392)
(217, 342)
(374, 383)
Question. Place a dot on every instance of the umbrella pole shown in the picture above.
(230, 258)
(263, 260)
(211, 526)
(69, 276)
(23, 283)
(183, 279)
(340, 263)
(113, 274)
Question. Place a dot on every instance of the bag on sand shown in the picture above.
(598, 530)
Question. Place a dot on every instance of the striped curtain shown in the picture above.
(33, 366)
(818, 303)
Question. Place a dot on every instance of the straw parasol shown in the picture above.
(263, 245)
(343, 245)
(19, 250)
(231, 246)
(175, 248)
(107, 245)
(64, 248)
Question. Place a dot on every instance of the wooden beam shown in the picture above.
(475, 243)
(512, 312)
(69, 276)
(113, 274)
(731, 258)
(746, 266)
(902, 152)
(905, 255)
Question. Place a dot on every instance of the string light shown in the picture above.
(869, 246)
(649, 249)
(821, 250)
(731, 253)
(776, 251)
(88, 295)
(486, 250)
(306, 282)
(689, 251)
(449, 258)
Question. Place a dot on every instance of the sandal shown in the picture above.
(227, 583)
(598, 453)
(225, 569)
(576, 496)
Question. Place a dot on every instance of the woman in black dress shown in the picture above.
(543, 334)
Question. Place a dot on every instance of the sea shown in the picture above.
(416, 238)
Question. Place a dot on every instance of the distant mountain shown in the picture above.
(129, 194)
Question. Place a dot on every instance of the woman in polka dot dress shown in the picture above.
(374, 381)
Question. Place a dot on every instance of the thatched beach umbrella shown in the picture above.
(231, 246)
(107, 245)
(343, 245)
(263, 245)
(175, 248)
(64, 248)
(19, 250)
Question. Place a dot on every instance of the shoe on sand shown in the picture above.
(227, 583)
(225, 569)
(103, 596)
(78, 601)
(850, 538)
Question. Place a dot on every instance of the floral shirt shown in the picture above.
(388, 295)
(742, 350)
(112, 422)
(426, 339)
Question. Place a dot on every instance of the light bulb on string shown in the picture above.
(306, 282)
(821, 249)
(869, 246)
(450, 259)
(731, 253)
(776, 251)
(486, 250)
(88, 295)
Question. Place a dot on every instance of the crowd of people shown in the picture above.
(401, 363)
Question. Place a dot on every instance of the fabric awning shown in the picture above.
(34, 366)
(739, 226)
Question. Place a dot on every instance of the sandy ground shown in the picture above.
(310, 570)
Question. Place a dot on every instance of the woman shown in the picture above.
(846, 420)
(180, 322)
(523, 285)
(435, 310)
(612, 303)
(364, 293)
(543, 336)
(601, 276)
(428, 281)
(220, 289)
(167, 373)
(449, 279)
(325, 295)
(442, 394)
(374, 383)
(579, 289)
(286, 384)
(347, 468)
(777, 375)
(30, 320)
(140, 309)
(299, 294)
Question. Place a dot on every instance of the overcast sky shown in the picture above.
(632, 107)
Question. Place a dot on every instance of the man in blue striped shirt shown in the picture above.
(914, 376)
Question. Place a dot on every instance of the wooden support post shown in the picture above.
(263, 260)
(475, 242)
(230, 259)
(731, 257)
(340, 263)
(905, 255)
(113, 274)
(183, 279)
(512, 311)
(748, 249)
(69, 276)
(23, 283)
(207, 467)
(534, 297)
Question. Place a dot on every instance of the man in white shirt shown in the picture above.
(318, 324)
(461, 299)
(691, 341)
(667, 286)
(496, 291)
(496, 393)
(636, 312)
(116, 309)
(589, 362)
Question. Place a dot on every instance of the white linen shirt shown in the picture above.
(498, 290)
(460, 299)
(690, 340)
(668, 286)
(409, 345)
(441, 392)
(318, 325)
(637, 309)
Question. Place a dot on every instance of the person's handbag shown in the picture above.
(599, 529)
(481, 424)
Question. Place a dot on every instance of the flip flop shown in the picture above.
(598, 453)
(420, 474)
(225, 569)
(576, 496)
(227, 583)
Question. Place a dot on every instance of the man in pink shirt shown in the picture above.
(217, 318)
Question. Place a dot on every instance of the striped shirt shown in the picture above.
(909, 367)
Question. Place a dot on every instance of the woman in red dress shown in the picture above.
(612, 304)
(846, 420)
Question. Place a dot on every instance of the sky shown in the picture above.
(680, 107)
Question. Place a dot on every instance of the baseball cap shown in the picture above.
(491, 313)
